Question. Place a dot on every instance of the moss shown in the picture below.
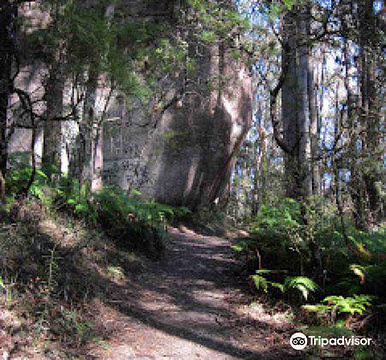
(178, 140)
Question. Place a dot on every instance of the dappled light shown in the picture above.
(196, 179)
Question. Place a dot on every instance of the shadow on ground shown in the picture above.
(193, 294)
(184, 306)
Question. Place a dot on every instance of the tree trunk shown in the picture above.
(88, 162)
(52, 144)
(314, 128)
(365, 153)
(96, 181)
(356, 182)
(263, 165)
(370, 108)
(86, 130)
(295, 103)
(8, 13)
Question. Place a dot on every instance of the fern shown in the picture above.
(261, 282)
(357, 304)
(301, 283)
(360, 271)
(277, 285)
(335, 304)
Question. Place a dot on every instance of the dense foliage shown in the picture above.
(133, 223)
(307, 182)
(303, 248)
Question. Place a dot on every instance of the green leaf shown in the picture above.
(208, 36)
(80, 207)
(238, 247)
(41, 173)
(260, 282)
(301, 283)
(359, 271)
(278, 286)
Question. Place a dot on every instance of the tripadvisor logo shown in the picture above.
(299, 341)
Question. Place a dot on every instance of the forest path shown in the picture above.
(189, 305)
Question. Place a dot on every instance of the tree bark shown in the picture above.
(52, 144)
(314, 128)
(365, 150)
(86, 130)
(370, 108)
(8, 14)
(296, 104)
(356, 182)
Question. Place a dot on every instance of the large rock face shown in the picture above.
(184, 155)
(188, 157)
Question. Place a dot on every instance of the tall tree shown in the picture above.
(369, 112)
(296, 102)
(364, 109)
(52, 146)
(8, 14)
(54, 87)
(90, 129)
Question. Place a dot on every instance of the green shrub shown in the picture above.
(128, 220)
(290, 239)
(332, 306)
(19, 175)
(299, 284)
(207, 219)
(302, 284)
(131, 222)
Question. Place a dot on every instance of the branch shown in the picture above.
(273, 102)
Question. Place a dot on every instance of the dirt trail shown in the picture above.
(189, 305)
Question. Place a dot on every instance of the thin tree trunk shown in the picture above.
(52, 144)
(86, 131)
(336, 170)
(8, 14)
(314, 133)
(33, 156)
(258, 176)
(263, 164)
(97, 183)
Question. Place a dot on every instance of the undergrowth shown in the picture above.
(131, 222)
(332, 276)
(61, 249)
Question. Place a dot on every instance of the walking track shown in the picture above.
(189, 305)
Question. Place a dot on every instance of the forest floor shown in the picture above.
(67, 291)
(189, 305)
(90, 299)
